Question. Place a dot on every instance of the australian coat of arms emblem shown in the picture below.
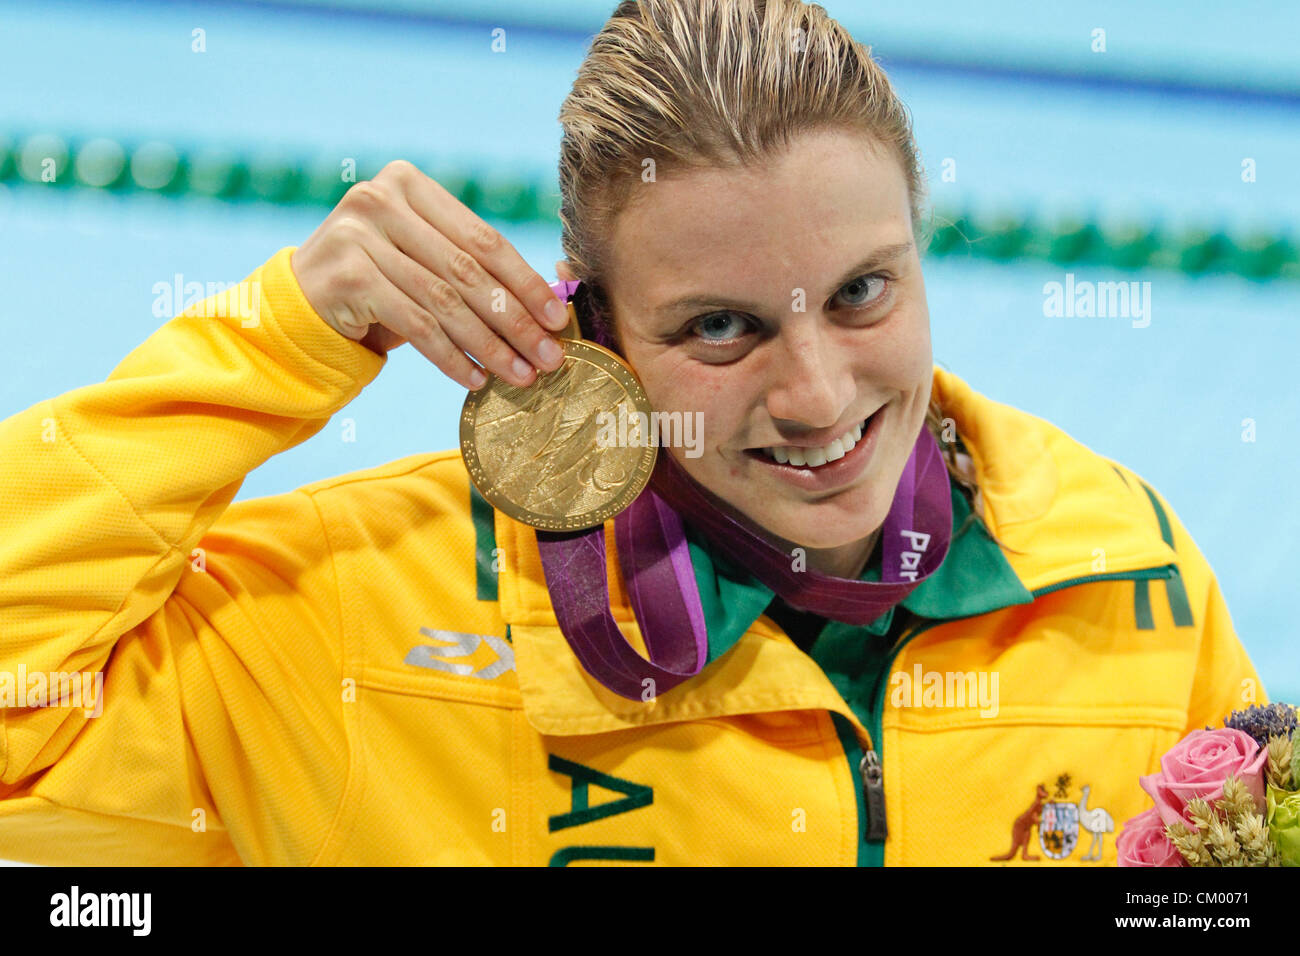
(1059, 822)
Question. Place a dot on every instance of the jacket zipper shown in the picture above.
(870, 765)
(873, 789)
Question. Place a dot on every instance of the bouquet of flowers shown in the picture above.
(1225, 797)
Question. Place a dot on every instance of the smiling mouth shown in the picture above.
(813, 458)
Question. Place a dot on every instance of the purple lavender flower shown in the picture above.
(1264, 722)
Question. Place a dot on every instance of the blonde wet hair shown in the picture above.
(719, 83)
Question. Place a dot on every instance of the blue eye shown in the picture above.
(864, 290)
(721, 323)
(723, 328)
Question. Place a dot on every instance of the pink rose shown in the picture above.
(1143, 843)
(1198, 765)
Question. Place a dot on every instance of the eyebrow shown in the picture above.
(877, 258)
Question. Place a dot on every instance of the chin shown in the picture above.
(830, 532)
(829, 539)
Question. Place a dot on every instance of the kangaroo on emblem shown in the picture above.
(1025, 823)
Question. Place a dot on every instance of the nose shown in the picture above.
(811, 379)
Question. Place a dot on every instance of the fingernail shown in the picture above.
(521, 368)
(549, 351)
(477, 378)
(556, 312)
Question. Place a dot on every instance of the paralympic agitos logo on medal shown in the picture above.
(638, 429)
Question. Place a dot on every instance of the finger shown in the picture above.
(467, 231)
(439, 303)
(387, 305)
(383, 202)
(491, 304)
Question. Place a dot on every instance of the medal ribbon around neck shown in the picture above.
(654, 556)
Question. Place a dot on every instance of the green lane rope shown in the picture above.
(51, 161)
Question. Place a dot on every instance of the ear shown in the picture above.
(563, 272)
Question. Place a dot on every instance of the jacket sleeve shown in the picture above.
(213, 633)
(1224, 679)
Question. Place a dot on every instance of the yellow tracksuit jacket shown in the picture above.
(368, 670)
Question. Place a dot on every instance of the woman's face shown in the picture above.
(785, 304)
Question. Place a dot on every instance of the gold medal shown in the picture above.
(569, 451)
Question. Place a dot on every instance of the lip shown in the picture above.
(833, 474)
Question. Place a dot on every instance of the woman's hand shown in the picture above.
(400, 259)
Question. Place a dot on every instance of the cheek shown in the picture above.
(674, 383)
(901, 356)
(699, 391)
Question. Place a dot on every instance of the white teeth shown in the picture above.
(812, 457)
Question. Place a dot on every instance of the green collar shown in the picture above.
(974, 578)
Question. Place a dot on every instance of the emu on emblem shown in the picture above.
(1058, 830)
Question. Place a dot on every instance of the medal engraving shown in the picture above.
(535, 453)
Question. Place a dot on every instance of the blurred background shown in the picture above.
(1108, 141)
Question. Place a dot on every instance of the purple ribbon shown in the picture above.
(654, 557)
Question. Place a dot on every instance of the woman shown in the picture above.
(376, 668)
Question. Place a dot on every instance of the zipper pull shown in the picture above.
(873, 789)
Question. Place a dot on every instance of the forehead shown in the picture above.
(797, 217)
